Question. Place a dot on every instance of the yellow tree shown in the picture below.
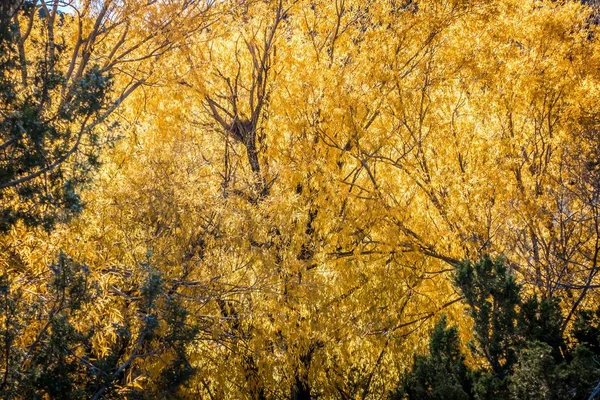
(280, 110)
(319, 168)
(67, 67)
(386, 124)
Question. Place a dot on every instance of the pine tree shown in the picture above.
(524, 352)
(442, 374)
(45, 118)
(47, 350)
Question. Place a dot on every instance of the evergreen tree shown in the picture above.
(45, 119)
(442, 374)
(59, 361)
(519, 340)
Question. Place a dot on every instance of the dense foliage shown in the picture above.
(62, 363)
(37, 137)
(522, 351)
(265, 199)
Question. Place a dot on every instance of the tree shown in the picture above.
(443, 373)
(65, 69)
(47, 345)
(518, 349)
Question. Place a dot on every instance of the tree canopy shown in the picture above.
(266, 199)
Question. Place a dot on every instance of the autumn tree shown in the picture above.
(306, 175)
(323, 165)
(66, 67)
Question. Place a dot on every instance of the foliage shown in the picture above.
(520, 348)
(303, 176)
(443, 373)
(47, 343)
(57, 75)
